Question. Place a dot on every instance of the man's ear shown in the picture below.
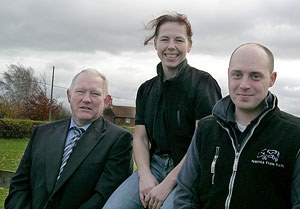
(273, 79)
(69, 95)
(107, 101)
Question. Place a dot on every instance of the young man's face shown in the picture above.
(249, 79)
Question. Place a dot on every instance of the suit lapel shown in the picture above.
(85, 145)
(54, 150)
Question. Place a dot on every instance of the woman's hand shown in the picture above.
(147, 183)
(158, 194)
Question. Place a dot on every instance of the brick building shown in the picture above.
(120, 115)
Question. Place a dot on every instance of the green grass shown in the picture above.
(3, 194)
(11, 151)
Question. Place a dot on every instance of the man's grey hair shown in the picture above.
(95, 72)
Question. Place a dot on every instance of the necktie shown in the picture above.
(69, 148)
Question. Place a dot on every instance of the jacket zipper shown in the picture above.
(178, 118)
(178, 112)
(237, 157)
(213, 165)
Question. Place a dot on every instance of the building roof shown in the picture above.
(121, 111)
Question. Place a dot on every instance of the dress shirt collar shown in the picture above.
(72, 124)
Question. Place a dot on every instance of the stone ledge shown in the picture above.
(5, 177)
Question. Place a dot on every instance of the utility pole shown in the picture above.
(51, 95)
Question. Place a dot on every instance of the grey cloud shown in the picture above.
(116, 26)
(74, 34)
(67, 26)
(273, 23)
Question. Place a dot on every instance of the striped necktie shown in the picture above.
(69, 148)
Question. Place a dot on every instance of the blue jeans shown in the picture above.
(127, 195)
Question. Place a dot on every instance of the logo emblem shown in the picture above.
(269, 154)
(268, 157)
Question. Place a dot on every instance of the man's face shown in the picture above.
(86, 98)
(249, 79)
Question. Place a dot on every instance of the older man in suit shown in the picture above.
(63, 170)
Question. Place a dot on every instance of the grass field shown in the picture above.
(3, 194)
(11, 152)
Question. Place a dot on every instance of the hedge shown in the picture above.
(17, 128)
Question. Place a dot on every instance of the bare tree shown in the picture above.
(19, 84)
(24, 95)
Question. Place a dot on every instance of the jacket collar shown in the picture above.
(224, 108)
(181, 69)
(89, 140)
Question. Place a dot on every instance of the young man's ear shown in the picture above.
(273, 79)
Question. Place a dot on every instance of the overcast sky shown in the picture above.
(108, 35)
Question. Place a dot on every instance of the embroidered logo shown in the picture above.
(268, 157)
(271, 154)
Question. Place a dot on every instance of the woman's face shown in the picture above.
(172, 44)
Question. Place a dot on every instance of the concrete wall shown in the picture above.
(5, 177)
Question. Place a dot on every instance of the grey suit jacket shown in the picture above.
(100, 162)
